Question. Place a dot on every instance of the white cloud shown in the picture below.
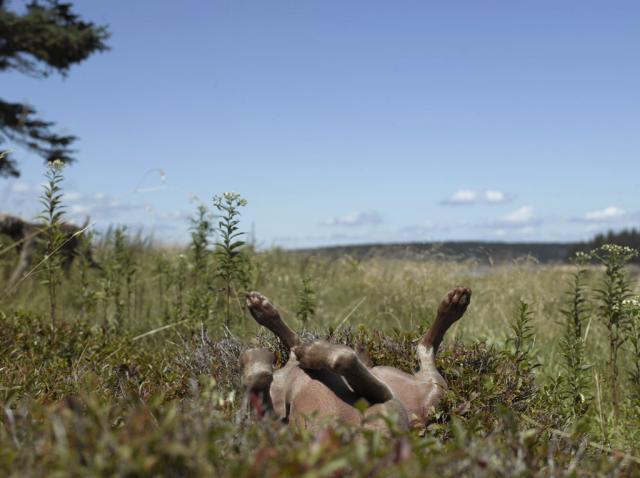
(427, 228)
(495, 197)
(21, 188)
(526, 230)
(606, 214)
(463, 196)
(355, 219)
(470, 196)
(72, 196)
(79, 209)
(520, 216)
(102, 207)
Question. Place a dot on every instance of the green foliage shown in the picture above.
(46, 37)
(201, 232)
(159, 394)
(523, 336)
(632, 308)
(575, 381)
(181, 285)
(87, 293)
(104, 403)
(51, 216)
(306, 308)
(613, 291)
(231, 263)
(201, 292)
(120, 270)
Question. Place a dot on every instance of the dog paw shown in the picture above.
(455, 303)
(260, 308)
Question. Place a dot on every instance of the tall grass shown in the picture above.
(141, 379)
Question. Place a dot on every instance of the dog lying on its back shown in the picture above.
(326, 380)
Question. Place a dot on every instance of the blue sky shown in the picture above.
(352, 122)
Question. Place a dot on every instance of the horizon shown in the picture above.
(346, 124)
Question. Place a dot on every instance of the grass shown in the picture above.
(136, 380)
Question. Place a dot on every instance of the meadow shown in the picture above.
(131, 369)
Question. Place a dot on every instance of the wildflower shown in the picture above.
(56, 165)
(581, 258)
(632, 306)
(620, 251)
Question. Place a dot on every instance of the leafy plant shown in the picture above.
(181, 283)
(523, 335)
(200, 294)
(614, 289)
(54, 238)
(231, 263)
(120, 272)
(162, 268)
(575, 382)
(306, 308)
(632, 307)
(201, 231)
(86, 295)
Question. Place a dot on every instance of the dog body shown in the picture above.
(326, 381)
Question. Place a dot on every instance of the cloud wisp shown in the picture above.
(461, 197)
(355, 219)
(522, 222)
(607, 214)
(467, 197)
(519, 217)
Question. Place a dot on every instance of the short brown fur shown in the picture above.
(325, 380)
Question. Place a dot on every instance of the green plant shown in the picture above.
(306, 307)
(523, 336)
(231, 263)
(86, 294)
(614, 289)
(201, 231)
(120, 270)
(54, 239)
(181, 283)
(162, 269)
(200, 294)
(575, 382)
(632, 307)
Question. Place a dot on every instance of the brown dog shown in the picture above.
(327, 380)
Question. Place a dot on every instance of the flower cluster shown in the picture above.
(632, 306)
(57, 165)
(622, 251)
(229, 198)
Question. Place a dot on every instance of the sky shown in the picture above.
(352, 121)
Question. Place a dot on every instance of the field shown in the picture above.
(132, 370)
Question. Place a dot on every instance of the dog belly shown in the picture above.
(321, 396)
(417, 396)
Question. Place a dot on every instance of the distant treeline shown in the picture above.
(484, 252)
(626, 237)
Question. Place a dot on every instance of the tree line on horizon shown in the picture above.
(626, 237)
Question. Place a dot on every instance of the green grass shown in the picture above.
(146, 384)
